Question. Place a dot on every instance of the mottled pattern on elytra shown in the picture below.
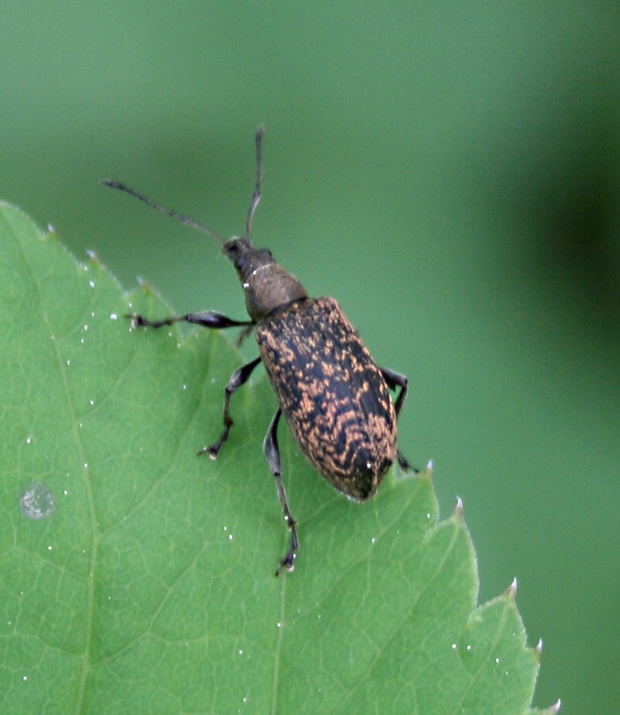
(333, 396)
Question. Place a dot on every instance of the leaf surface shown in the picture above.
(136, 577)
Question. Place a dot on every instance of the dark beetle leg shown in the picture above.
(272, 453)
(215, 321)
(395, 380)
(404, 464)
(243, 334)
(238, 378)
(207, 319)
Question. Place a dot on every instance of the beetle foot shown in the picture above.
(404, 464)
(138, 321)
(212, 450)
(288, 562)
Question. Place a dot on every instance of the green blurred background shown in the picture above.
(449, 171)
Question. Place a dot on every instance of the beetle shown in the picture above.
(333, 396)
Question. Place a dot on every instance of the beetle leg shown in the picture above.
(404, 464)
(395, 380)
(207, 319)
(272, 453)
(238, 378)
(243, 334)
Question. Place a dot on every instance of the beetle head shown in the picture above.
(266, 285)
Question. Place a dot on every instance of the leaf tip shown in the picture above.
(94, 258)
(554, 708)
(538, 649)
(51, 234)
(458, 509)
(146, 286)
(429, 468)
(511, 591)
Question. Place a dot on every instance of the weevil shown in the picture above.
(334, 398)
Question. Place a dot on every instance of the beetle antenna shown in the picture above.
(259, 176)
(187, 220)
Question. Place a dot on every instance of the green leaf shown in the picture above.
(136, 577)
